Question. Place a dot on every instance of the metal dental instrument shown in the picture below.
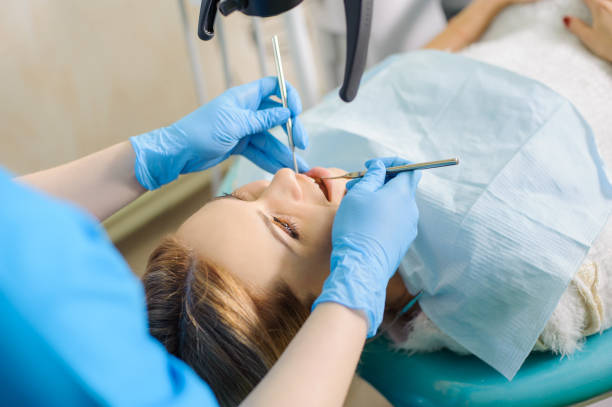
(283, 91)
(402, 168)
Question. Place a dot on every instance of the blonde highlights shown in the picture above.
(230, 335)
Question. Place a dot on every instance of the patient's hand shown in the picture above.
(467, 26)
(505, 3)
(597, 38)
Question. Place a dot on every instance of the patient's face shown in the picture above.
(270, 231)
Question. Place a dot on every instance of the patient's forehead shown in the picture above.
(231, 235)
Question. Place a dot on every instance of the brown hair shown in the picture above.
(230, 335)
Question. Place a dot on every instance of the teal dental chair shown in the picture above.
(447, 379)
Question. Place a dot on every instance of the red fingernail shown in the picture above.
(566, 21)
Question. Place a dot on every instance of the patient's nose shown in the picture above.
(285, 185)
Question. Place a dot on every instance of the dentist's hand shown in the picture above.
(236, 122)
(598, 36)
(373, 229)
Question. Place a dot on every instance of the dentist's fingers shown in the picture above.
(394, 162)
(405, 182)
(293, 100)
(390, 161)
(300, 138)
(267, 152)
(268, 86)
(262, 120)
(372, 180)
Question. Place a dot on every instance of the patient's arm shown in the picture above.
(470, 24)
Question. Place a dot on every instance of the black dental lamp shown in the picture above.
(358, 18)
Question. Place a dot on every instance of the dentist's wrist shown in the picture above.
(371, 307)
(357, 283)
(158, 158)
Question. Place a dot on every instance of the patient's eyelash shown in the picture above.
(237, 195)
(288, 226)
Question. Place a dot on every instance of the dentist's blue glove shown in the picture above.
(236, 122)
(373, 229)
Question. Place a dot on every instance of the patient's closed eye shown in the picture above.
(287, 226)
(238, 195)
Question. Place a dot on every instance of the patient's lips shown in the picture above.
(322, 186)
(328, 187)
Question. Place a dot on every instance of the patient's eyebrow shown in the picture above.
(275, 231)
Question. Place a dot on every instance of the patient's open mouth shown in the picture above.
(324, 185)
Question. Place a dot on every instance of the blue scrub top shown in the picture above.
(63, 282)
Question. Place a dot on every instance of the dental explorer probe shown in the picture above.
(283, 91)
(402, 168)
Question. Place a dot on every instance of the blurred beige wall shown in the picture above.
(77, 76)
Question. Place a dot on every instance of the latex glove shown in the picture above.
(236, 122)
(598, 37)
(373, 229)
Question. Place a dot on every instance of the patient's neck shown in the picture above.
(397, 294)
